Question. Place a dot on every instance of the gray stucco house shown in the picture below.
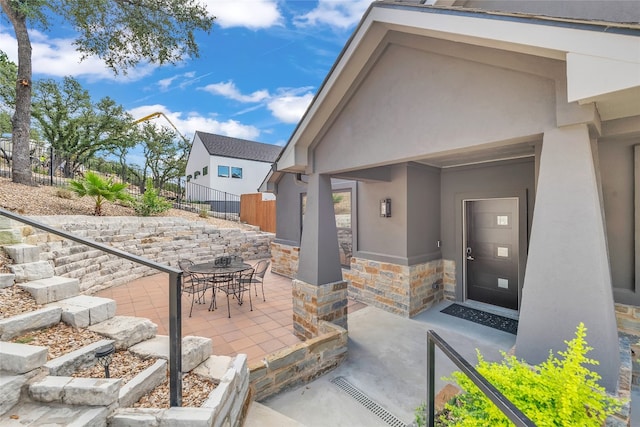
(504, 138)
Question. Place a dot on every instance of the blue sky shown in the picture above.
(258, 70)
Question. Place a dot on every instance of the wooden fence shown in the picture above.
(255, 211)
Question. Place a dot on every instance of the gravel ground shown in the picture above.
(45, 200)
(61, 339)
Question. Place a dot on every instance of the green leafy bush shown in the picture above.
(558, 392)
(100, 189)
(150, 203)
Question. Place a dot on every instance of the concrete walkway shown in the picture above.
(387, 363)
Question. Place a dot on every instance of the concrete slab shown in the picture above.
(387, 362)
(262, 416)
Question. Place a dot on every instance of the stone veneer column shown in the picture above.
(314, 303)
(319, 292)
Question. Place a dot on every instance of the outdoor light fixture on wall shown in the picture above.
(385, 208)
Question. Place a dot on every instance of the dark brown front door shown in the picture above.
(491, 251)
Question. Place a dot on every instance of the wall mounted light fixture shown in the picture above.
(385, 208)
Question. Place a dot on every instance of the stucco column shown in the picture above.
(319, 293)
(568, 278)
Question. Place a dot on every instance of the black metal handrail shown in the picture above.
(505, 405)
(175, 315)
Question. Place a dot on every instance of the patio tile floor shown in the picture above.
(268, 328)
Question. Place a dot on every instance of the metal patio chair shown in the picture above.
(260, 269)
(194, 284)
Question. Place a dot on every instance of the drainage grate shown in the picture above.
(372, 406)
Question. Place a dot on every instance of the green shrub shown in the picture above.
(150, 203)
(558, 392)
(204, 213)
(100, 189)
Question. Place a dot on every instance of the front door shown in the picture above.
(491, 251)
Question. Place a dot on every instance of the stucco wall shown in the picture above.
(433, 103)
(617, 173)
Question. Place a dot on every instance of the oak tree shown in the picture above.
(123, 33)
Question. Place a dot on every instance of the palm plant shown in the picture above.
(100, 189)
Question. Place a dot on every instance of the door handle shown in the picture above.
(469, 257)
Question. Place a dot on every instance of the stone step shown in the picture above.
(7, 279)
(126, 330)
(52, 289)
(34, 414)
(10, 386)
(21, 358)
(32, 271)
(262, 416)
(83, 310)
(76, 360)
(22, 253)
(20, 324)
(76, 391)
(195, 350)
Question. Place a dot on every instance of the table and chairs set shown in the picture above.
(229, 275)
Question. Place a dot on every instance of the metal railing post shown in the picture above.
(431, 382)
(175, 340)
(505, 405)
(175, 307)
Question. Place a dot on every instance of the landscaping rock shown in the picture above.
(143, 383)
(52, 289)
(83, 310)
(7, 280)
(92, 391)
(10, 386)
(21, 358)
(32, 271)
(126, 330)
(17, 325)
(447, 393)
(76, 360)
(23, 253)
(195, 350)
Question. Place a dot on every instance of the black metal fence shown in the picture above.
(57, 168)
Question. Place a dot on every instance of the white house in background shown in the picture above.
(226, 165)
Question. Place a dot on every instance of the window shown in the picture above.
(236, 173)
(196, 174)
(223, 171)
(205, 170)
(189, 178)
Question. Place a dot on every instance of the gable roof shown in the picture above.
(602, 58)
(225, 146)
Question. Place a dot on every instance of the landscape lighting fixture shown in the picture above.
(104, 355)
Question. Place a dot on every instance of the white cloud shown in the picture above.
(340, 14)
(252, 14)
(165, 83)
(229, 90)
(288, 105)
(290, 108)
(57, 57)
(189, 123)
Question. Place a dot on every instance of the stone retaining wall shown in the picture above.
(161, 239)
(300, 363)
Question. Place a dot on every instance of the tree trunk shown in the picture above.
(21, 165)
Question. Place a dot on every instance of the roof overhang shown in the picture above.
(591, 51)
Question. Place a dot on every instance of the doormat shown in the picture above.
(483, 318)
